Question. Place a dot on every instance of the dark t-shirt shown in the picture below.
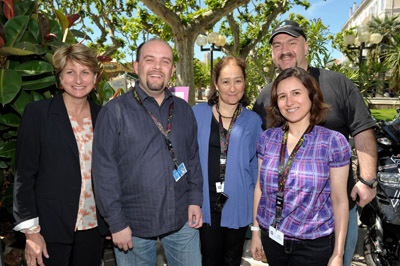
(348, 114)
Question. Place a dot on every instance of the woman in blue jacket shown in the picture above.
(227, 136)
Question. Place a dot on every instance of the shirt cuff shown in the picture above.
(27, 225)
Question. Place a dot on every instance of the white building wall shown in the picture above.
(371, 8)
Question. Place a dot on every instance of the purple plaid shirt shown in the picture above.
(307, 209)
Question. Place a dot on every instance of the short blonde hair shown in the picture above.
(78, 53)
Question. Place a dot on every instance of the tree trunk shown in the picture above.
(199, 91)
(184, 67)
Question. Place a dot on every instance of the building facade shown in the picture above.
(371, 8)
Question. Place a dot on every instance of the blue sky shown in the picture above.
(333, 13)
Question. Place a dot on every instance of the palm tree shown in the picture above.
(392, 61)
(388, 26)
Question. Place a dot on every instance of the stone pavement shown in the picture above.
(358, 259)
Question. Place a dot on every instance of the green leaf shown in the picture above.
(33, 27)
(39, 83)
(28, 37)
(7, 149)
(62, 19)
(6, 51)
(15, 28)
(35, 67)
(22, 49)
(12, 134)
(55, 45)
(49, 58)
(32, 34)
(80, 34)
(36, 48)
(25, 7)
(47, 94)
(70, 37)
(3, 165)
(10, 85)
(37, 96)
(10, 119)
(10, 64)
(22, 100)
(56, 29)
(108, 92)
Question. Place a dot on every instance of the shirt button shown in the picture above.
(170, 188)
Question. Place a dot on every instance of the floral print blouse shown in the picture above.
(87, 218)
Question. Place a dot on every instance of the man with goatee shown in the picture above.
(146, 167)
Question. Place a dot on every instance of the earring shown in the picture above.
(61, 87)
(217, 92)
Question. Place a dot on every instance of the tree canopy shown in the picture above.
(120, 25)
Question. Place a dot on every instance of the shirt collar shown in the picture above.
(143, 96)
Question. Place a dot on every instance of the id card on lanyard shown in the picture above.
(180, 169)
(283, 172)
(224, 143)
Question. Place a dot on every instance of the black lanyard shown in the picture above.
(283, 172)
(224, 140)
(161, 128)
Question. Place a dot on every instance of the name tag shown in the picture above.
(219, 186)
(276, 235)
(181, 171)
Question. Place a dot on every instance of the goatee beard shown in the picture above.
(281, 69)
(155, 87)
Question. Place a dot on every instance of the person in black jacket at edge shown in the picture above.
(54, 202)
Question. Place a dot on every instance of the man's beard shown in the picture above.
(155, 87)
(280, 69)
(285, 55)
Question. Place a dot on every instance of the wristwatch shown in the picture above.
(372, 183)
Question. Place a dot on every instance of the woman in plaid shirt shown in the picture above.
(300, 199)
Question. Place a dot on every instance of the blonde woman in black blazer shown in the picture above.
(53, 199)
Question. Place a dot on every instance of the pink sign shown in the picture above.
(181, 92)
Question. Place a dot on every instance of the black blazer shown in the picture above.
(48, 179)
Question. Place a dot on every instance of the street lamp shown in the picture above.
(216, 41)
(360, 42)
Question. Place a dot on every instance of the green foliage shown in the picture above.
(387, 27)
(318, 36)
(346, 70)
(201, 77)
(384, 114)
(337, 43)
(26, 74)
(384, 58)
(392, 61)
(260, 67)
